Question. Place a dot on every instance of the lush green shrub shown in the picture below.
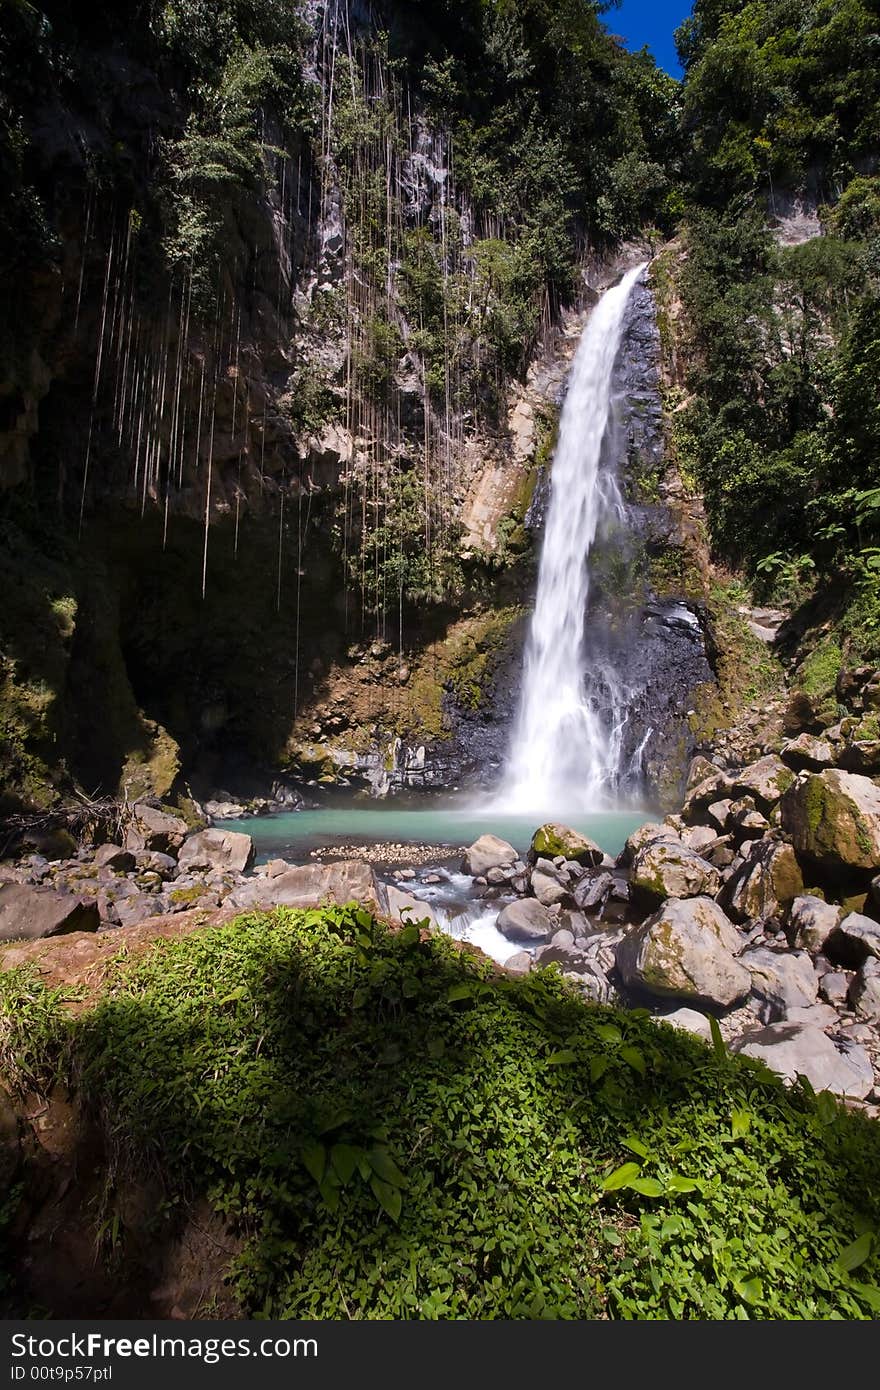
(398, 1132)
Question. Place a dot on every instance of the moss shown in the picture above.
(459, 666)
(188, 897)
(673, 573)
(745, 669)
(818, 673)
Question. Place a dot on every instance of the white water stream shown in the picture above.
(565, 752)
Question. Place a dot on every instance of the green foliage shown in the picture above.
(775, 88)
(397, 1132)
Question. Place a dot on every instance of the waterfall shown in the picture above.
(566, 747)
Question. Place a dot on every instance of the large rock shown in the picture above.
(310, 885)
(217, 849)
(781, 981)
(668, 869)
(526, 920)
(765, 884)
(766, 780)
(853, 941)
(151, 828)
(864, 992)
(114, 857)
(811, 921)
(591, 891)
(488, 852)
(403, 907)
(28, 913)
(687, 1021)
(833, 818)
(645, 835)
(807, 751)
(551, 840)
(800, 1049)
(548, 884)
(686, 950)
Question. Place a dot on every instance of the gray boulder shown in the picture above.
(686, 950)
(403, 907)
(811, 921)
(799, 1049)
(767, 881)
(853, 941)
(766, 780)
(114, 857)
(864, 993)
(217, 849)
(833, 818)
(590, 892)
(781, 981)
(807, 751)
(549, 883)
(28, 913)
(310, 885)
(645, 835)
(151, 828)
(687, 1021)
(668, 869)
(719, 813)
(834, 988)
(488, 852)
(526, 920)
(519, 964)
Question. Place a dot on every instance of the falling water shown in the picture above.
(566, 748)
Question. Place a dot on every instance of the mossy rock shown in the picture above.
(833, 818)
(551, 840)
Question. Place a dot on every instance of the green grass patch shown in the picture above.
(397, 1132)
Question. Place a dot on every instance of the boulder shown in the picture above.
(688, 1021)
(864, 992)
(800, 1049)
(139, 907)
(766, 780)
(715, 786)
(699, 838)
(526, 920)
(668, 869)
(645, 835)
(686, 950)
(32, 913)
(552, 840)
(114, 857)
(719, 812)
(781, 981)
(217, 849)
(151, 828)
(853, 941)
(488, 852)
(310, 885)
(403, 907)
(833, 818)
(807, 751)
(764, 884)
(154, 861)
(549, 884)
(746, 822)
(834, 988)
(591, 891)
(518, 964)
(811, 921)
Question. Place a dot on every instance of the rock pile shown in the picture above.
(759, 904)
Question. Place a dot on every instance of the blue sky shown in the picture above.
(651, 22)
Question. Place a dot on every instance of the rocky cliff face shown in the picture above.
(269, 516)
